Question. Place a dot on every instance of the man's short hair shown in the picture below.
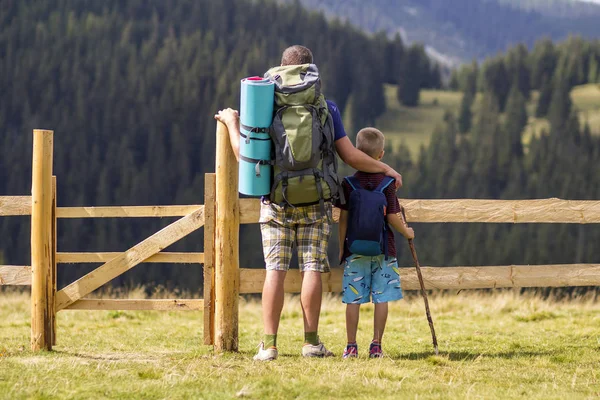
(296, 55)
(370, 141)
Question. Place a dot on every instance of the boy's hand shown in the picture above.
(410, 233)
(228, 116)
(393, 174)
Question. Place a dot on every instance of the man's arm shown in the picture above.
(342, 228)
(231, 118)
(362, 162)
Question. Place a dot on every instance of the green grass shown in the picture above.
(491, 346)
(414, 125)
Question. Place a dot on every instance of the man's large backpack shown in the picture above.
(367, 228)
(305, 164)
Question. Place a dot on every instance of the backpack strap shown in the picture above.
(257, 163)
(385, 182)
(321, 197)
(353, 182)
(254, 129)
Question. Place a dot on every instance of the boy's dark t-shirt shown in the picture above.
(370, 182)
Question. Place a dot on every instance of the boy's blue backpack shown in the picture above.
(367, 227)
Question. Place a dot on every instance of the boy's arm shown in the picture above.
(396, 222)
(342, 228)
(231, 118)
(362, 162)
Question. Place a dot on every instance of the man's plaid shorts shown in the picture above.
(305, 227)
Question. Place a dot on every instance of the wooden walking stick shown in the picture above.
(423, 293)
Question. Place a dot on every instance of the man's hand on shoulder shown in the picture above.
(393, 174)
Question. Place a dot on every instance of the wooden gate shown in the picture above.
(41, 275)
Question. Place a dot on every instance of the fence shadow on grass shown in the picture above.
(471, 356)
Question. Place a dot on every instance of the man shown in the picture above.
(303, 226)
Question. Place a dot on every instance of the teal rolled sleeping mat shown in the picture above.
(256, 115)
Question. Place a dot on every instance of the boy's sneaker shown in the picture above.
(263, 354)
(315, 350)
(351, 351)
(375, 350)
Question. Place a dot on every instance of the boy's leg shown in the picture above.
(352, 316)
(379, 320)
(356, 285)
(386, 287)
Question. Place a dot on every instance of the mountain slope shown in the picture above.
(465, 29)
(558, 8)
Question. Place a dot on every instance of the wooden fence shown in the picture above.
(224, 280)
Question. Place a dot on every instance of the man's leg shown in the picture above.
(310, 298)
(277, 238)
(272, 301)
(312, 239)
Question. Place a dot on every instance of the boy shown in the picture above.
(375, 275)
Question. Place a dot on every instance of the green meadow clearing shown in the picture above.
(492, 345)
(414, 125)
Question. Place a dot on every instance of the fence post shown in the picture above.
(227, 274)
(209, 259)
(52, 281)
(41, 247)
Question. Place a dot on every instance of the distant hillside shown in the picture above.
(558, 8)
(466, 29)
(414, 126)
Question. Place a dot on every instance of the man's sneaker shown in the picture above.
(315, 350)
(351, 351)
(375, 350)
(263, 354)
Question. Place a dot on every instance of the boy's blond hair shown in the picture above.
(370, 141)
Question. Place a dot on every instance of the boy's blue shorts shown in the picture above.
(365, 276)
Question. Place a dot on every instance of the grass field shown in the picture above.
(414, 125)
(492, 346)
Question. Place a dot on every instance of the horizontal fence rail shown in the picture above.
(15, 275)
(174, 258)
(430, 211)
(126, 211)
(557, 275)
(15, 206)
(504, 211)
(484, 211)
(134, 304)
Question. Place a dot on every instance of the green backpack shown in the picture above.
(305, 163)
